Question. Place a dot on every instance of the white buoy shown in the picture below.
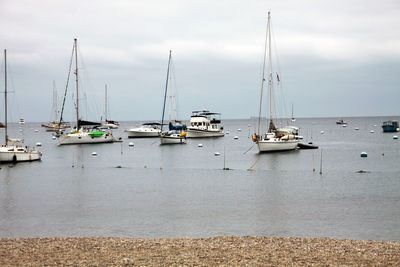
(322, 132)
(374, 125)
(395, 137)
(344, 125)
(38, 144)
(364, 154)
(239, 130)
(227, 132)
(94, 153)
(217, 154)
(356, 129)
(200, 145)
(131, 144)
(372, 131)
(54, 138)
(36, 130)
(235, 137)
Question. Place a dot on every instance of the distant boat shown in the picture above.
(149, 129)
(390, 126)
(205, 124)
(21, 121)
(85, 131)
(275, 139)
(293, 118)
(341, 122)
(176, 133)
(55, 125)
(14, 153)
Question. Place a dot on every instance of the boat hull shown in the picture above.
(142, 133)
(170, 140)
(194, 133)
(389, 129)
(18, 156)
(276, 145)
(84, 138)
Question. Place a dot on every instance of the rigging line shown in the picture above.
(263, 78)
(175, 95)
(66, 86)
(248, 149)
(91, 105)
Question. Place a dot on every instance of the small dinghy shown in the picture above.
(308, 145)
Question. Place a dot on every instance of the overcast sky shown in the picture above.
(336, 58)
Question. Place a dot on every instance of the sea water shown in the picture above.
(183, 191)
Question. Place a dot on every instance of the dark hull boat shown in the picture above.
(390, 126)
(308, 145)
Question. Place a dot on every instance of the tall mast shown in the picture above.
(5, 97)
(105, 103)
(263, 77)
(76, 80)
(271, 124)
(166, 88)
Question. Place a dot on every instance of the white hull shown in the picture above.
(172, 139)
(274, 144)
(84, 138)
(18, 154)
(108, 126)
(140, 133)
(194, 133)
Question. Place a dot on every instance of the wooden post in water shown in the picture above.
(320, 165)
(313, 166)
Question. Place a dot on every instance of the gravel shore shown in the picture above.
(215, 251)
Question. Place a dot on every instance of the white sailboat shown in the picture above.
(83, 133)
(107, 124)
(274, 139)
(176, 133)
(14, 153)
(54, 125)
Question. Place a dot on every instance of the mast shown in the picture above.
(105, 103)
(270, 85)
(76, 81)
(54, 101)
(263, 77)
(166, 88)
(5, 97)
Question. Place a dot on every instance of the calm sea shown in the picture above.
(182, 191)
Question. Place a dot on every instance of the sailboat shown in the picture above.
(85, 132)
(274, 139)
(14, 153)
(176, 133)
(293, 118)
(55, 125)
(107, 124)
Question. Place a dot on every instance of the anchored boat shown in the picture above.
(85, 131)
(205, 124)
(14, 153)
(274, 139)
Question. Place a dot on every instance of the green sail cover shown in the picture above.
(96, 133)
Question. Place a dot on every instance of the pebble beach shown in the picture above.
(214, 251)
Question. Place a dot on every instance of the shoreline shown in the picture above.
(226, 250)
